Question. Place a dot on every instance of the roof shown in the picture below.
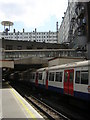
(69, 65)
(7, 63)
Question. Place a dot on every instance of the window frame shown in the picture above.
(79, 77)
(49, 79)
(40, 75)
(81, 72)
(59, 72)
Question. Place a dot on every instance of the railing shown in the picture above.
(15, 54)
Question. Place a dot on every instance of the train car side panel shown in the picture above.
(55, 80)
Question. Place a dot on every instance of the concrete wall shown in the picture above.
(32, 60)
(59, 61)
(6, 63)
(16, 44)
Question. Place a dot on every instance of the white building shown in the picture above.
(64, 29)
(47, 37)
(63, 32)
(73, 27)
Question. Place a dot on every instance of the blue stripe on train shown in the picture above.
(77, 94)
(52, 88)
(81, 95)
(59, 90)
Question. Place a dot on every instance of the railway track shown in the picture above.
(51, 113)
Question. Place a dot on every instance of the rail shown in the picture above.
(51, 113)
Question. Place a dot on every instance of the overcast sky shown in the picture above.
(31, 14)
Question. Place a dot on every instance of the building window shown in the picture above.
(9, 47)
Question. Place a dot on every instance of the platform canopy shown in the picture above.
(6, 63)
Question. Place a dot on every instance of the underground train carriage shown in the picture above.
(69, 79)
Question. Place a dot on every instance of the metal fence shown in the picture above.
(14, 54)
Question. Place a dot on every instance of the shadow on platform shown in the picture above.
(5, 85)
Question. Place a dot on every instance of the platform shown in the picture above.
(15, 106)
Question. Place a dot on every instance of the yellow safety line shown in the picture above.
(30, 113)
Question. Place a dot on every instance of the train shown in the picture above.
(72, 79)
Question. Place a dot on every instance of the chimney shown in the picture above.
(35, 30)
(57, 26)
(23, 30)
(57, 30)
(14, 30)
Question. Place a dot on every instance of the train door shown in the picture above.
(68, 81)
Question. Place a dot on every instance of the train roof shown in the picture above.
(71, 65)
(68, 65)
(42, 69)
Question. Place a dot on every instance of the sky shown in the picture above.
(31, 14)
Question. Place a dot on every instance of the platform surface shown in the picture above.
(13, 105)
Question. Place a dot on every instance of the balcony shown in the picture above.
(80, 10)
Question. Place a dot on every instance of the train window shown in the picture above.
(71, 77)
(51, 76)
(77, 78)
(58, 76)
(66, 77)
(40, 76)
(84, 77)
